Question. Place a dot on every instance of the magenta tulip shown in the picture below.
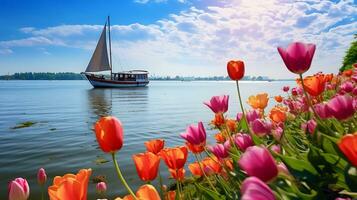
(243, 141)
(322, 111)
(254, 189)
(276, 148)
(239, 116)
(286, 88)
(261, 127)
(257, 161)
(354, 91)
(252, 115)
(341, 107)
(101, 187)
(19, 189)
(297, 56)
(347, 86)
(195, 134)
(277, 133)
(283, 169)
(218, 104)
(41, 176)
(219, 150)
(311, 126)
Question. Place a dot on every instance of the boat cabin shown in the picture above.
(135, 75)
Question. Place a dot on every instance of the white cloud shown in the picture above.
(201, 41)
(6, 51)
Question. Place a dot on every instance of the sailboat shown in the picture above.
(101, 62)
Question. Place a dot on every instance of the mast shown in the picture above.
(110, 50)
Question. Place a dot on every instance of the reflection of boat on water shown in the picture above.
(100, 62)
(100, 102)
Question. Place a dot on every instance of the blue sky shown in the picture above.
(173, 37)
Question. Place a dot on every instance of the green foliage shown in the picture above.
(351, 56)
(43, 76)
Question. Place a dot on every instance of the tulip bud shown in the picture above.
(19, 189)
(101, 187)
(41, 176)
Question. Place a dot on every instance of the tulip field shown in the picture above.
(304, 147)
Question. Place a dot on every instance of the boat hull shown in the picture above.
(104, 83)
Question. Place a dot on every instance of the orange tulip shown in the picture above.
(278, 99)
(218, 120)
(211, 166)
(178, 174)
(260, 101)
(235, 69)
(195, 169)
(70, 186)
(155, 146)
(145, 192)
(348, 145)
(314, 85)
(229, 164)
(109, 133)
(348, 72)
(278, 114)
(328, 77)
(170, 195)
(231, 124)
(175, 158)
(196, 148)
(219, 138)
(147, 165)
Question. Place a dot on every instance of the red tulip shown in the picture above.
(348, 145)
(175, 158)
(298, 56)
(41, 176)
(155, 146)
(109, 133)
(235, 69)
(147, 165)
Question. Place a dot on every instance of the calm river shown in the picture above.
(62, 140)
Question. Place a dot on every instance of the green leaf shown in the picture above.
(351, 178)
(209, 194)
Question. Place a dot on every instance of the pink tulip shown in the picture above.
(19, 189)
(322, 111)
(239, 116)
(219, 150)
(286, 88)
(347, 86)
(298, 56)
(257, 161)
(101, 187)
(311, 126)
(195, 134)
(283, 169)
(297, 91)
(277, 133)
(261, 127)
(254, 189)
(276, 148)
(341, 107)
(41, 176)
(252, 115)
(218, 104)
(243, 141)
(354, 77)
(354, 91)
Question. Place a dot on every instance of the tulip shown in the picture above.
(218, 104)
(354, 91)
(322, 111)
(235, 69)
(286, 88)
(147, 165)
(231, 124)
(314, 85)
(195, 134)
(261, 127)
(101, 187)
(239, 116)
(145, 192)
(252, 115)
(211, 166)
(219, 150)
(278, 98)
(341, 107)
(154, 146)
(257, 161)
(310, 126)
(296, 91)
(109, 133)
(277, 133)
(70, 186)
(278, 114)
(19, 189)
(260, 101)
(175, 158)
(196, 148)
(243, 141)
(219, 138)
(218, 120)
(276, 148)
(283, 169)
(178, 174)
(298, 56)
(254, 189)
(195, 169)
(347, 86)
(170, 195)
(348, 146)
(347, 72)
(41, 176)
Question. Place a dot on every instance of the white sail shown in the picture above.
(99, 61)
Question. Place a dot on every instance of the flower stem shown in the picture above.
(161, 189)
(204, 174)
(241, 106)
(121, 178)
(42, 192)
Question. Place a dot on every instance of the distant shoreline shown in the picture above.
(76, 76)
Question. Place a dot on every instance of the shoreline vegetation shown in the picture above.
(77, 76)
